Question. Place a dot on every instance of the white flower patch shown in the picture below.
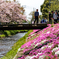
(55, 49)
(48, 32)
(58, 45)
(37, 44)
(41, 57)
(20, 49)
(57, 52)
(15, 56)
(43, 47)
(32, 56)
(29, 57)
(49, 46)
(42, 41)
(32, 34)
(39, 54)
(33, 45)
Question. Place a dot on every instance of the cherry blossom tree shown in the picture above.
(11, 11)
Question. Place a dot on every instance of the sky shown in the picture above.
(31, 5)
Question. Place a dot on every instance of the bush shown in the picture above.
(7, 33)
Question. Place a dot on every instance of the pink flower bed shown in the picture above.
(33, 32)
(50, 50)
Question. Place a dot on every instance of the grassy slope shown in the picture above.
(15, 47)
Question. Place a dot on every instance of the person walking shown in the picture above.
(36, 15)
(55, 16)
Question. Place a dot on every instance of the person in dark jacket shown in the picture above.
(52, 13)
(50, 20)
(36, 15)
(58, 17)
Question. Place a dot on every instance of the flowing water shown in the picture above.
(7, 43)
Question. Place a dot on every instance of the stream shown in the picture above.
(7, 43)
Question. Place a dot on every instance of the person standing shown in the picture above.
(55, 16)
(58, 16)
(52, 13)
(36, 15)
(50, 20)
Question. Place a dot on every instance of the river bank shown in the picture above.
(16, 46)
(7, 33)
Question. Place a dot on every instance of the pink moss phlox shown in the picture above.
(48, 34)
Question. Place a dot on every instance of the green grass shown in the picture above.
(2, 35)
(18, 44)
(7, 33)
